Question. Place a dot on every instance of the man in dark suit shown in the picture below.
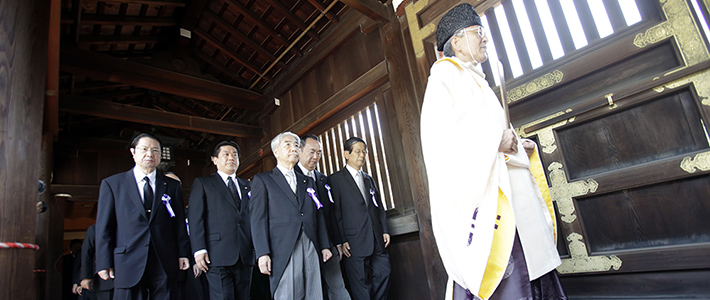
(220, 231)
(92, 285)
(287, 227)
(69, 264)
(141, 238)
(362, 224)
(311, 151)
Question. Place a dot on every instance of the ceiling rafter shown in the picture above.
(146, 2)
(122, 20)
(222, 68)
(292, 17)
(234, 5)
(229, 52)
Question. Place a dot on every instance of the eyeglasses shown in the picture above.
(481, 31)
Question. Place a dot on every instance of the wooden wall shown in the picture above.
(23, 43)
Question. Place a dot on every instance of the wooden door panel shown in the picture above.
(667, 214)
(656, 129)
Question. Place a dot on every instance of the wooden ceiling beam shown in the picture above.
(373, 9)
(239, 8)
(292, 17)
(118, 94)
(122, 20)
(144, 2)
(222, 68)
(120, 40)
(229, 52)
(333, 18)
(97, 85)
(242, 37)
(103, 67)
(117, 111)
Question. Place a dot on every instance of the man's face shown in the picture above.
(146, 154)
(75, 248)
(476, 43)
(356, 157)
(287, 152)
(227, 160)
(310, 154)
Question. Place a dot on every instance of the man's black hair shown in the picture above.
(308, 136)
(215, 153)
(142, 135)
(348, 146)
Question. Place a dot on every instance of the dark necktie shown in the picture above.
(147, 195)
(233, 188)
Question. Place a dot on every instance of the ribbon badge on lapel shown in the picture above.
(372, 192)
(166, 200)
(312, 193)
(330, 196)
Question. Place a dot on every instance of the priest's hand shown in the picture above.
(529, 146)
(265, 264)
(508, 143)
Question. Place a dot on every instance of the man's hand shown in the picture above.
(87, 284)
(386, 237)
(346, 249)
(184, 263)
(265, 264)
(340, 252)
(326, 254)
(508, 143)
(106, 274)
(202, 260)
(529, 146)
(196, 270)
(75, 289)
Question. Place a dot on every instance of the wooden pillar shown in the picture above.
(50, 232)
(23, 56)
(408, 114)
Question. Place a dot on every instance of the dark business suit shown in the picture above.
(362, 225)
(142, 248)
(101, 289)
(224, 230)
(278, 216)
(335, 287)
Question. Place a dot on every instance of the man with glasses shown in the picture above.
(141, 238)
(362, 225)
(494, 230)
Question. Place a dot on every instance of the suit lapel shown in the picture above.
(160, 187)
(244, 193)
(134, 194)
(353, 183)
(223, 189)
(281, 182)
(301, 189)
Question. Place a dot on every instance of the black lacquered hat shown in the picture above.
(461, 16)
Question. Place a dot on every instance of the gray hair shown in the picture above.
(448, 51)
(277, 140)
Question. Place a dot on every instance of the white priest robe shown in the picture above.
(462, 125)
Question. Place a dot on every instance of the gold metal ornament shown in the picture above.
(701, 81)
(680, 24)
(562, 191)
(418, 34)
(701, 162)
(581, 262)
(546, 136)
(535, 85)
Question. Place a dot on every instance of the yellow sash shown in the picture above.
(500, 249)
(539, 174)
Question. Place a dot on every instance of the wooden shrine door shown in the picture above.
(622, 125)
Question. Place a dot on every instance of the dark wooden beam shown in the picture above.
(104, 67)
(145, 2)
(222, 68)
(240, 9)
(122, 20)
(229, 52)
(242, 37)
(118, 94)
(373, 9)
(97, 85)
(292, 17)
(117, 111)
(333, 18)
(121, 40)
